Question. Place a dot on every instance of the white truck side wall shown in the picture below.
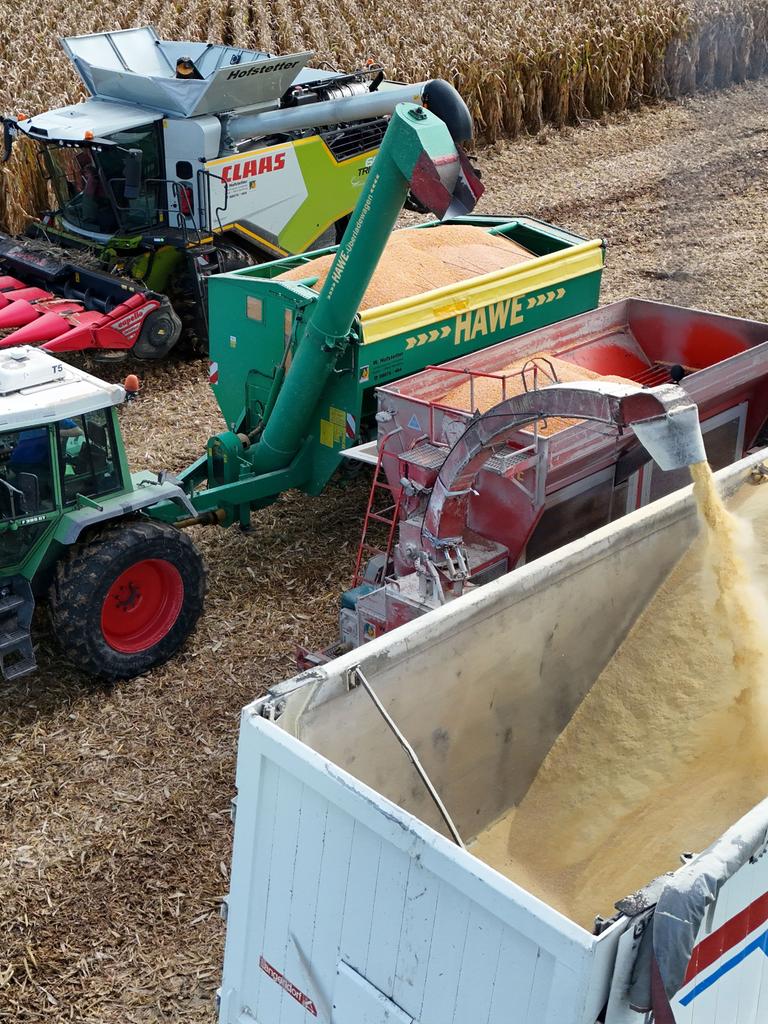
(501, 672)
(483, 686)
(325, 873)
(343, 903)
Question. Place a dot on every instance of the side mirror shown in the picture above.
(9, 133)
(132, 167)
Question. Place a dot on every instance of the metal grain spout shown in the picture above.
(664, 419)
(673, 439)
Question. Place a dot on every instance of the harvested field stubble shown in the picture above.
(518, 66)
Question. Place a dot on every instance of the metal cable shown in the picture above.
(413, 757)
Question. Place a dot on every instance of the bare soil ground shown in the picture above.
(114, 832)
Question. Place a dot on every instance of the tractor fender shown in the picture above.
(75, 522)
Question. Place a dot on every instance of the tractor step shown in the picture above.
(18, 669)
(17, 603)
(12, 640)
(10, 604)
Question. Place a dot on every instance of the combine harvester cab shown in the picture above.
(454, 519)
(187, 159)
(348, 895)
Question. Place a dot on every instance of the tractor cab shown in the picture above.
(59, 447)
(75, 529)
(43, 467)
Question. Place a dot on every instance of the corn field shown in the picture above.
(519, 66)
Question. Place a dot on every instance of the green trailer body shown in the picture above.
(257, 319)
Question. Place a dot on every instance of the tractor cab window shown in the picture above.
(90, 182)
(87, 456)
(26, 476)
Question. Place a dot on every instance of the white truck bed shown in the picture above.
(349, 904)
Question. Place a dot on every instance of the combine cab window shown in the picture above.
(87, 456)
(26, 477)
(80, 190)
(143, 211)
(90, 183)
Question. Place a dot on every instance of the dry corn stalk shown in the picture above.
(518, 66)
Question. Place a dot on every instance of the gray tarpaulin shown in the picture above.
(683, 901)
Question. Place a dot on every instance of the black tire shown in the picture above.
(232, 256)
(93, 588)
(159, 333)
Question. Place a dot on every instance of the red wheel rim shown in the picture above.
(142, 605)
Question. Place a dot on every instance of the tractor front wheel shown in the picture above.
(126, 600)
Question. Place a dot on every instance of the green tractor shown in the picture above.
(124, 592)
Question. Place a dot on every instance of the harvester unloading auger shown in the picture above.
(188, 159)
(80, 531)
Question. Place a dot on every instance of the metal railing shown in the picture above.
(204, 180)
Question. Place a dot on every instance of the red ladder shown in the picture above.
(388, 516)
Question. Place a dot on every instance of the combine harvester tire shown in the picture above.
(127, 599)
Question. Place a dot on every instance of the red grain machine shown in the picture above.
(470, 482)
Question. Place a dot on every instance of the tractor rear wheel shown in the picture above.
(127, 599)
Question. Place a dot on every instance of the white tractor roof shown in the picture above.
(37, 388)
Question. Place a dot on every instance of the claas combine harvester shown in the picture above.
(186, 159)
(297, 351)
